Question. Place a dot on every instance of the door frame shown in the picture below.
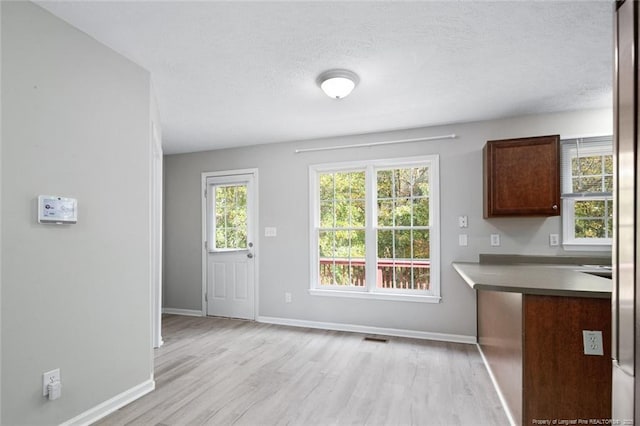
(256, 242)
(156, 228)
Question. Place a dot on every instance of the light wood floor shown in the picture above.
(217, 371)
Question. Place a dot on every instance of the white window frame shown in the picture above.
(569, 240)
(369, 291)
(211, 186)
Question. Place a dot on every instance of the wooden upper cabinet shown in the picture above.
(522, 177)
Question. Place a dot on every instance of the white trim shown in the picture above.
(586, 247)
(109, 406)
(374, 295)
(370, 167)
(503, 401)
(155, 231)
(413, 334)
(185, 312)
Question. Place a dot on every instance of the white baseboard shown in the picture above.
(102, 410)
(186, 312)
(503, 401)
(456, 338)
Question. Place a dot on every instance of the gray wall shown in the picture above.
(284, 201)
(75, 121)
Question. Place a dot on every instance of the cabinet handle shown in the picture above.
(555, 207)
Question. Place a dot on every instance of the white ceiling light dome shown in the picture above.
(338, 83)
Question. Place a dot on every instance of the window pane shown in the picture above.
(385, 244)
(421, 275)
(420, 244)
(326, 240)
(327, 270)
(357, 185)
(326, 186)
(590, 208)
(402, 182)
(421, 212)
(608, 164)
(609, 218)
(587, 184)
(342, 257)
(402, 276)
(326, 214)
(402, 212)
(343, 244)
(385, 183)
(402, 243)
(357, 214)
(385, 213)
(342, 199)
(589, 165)
(420, 181)
(357, 272)
(608, 184)
(342, 219)
(590, 228)
(231, 217)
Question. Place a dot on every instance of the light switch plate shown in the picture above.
(270, 231)
(592, 341)
(462, 240)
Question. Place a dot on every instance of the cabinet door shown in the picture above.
(559, 380)
(522, 177)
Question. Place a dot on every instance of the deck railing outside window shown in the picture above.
(352, 272)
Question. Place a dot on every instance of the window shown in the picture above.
(230, 219)
(587, 193)
(375, 229)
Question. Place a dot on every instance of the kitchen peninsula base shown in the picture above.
(533, 345)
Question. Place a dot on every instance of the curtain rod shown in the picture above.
(363, 145)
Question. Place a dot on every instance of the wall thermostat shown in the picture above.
(57, 210)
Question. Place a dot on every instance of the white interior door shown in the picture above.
(230, 249)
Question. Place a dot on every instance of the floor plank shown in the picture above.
(215, 371)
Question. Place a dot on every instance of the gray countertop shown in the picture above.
(552, 280)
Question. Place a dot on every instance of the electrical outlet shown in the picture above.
(554, 240)
(463, 222)
(287, 297)
(49, 377)
(592, 341)
(462, 240)
(495, 240)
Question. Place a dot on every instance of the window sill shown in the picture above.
(576, 246)
(375, 296)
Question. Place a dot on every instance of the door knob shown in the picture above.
(250, 255)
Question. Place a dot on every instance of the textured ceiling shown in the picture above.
(242, 73)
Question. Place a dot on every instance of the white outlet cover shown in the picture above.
(463, 221)
(49, 377)
(462, 240)
(495, 240)
(554, 240)
(592, 341)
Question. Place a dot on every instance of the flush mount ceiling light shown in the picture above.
(337, 84)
